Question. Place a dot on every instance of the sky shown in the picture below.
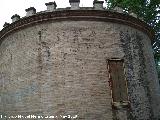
(10, 7)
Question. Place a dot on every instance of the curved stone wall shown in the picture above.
(58, 66)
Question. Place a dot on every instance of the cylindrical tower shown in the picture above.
(89, 63)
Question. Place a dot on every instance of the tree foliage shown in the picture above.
(148, 10)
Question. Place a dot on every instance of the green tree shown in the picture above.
(148, 10)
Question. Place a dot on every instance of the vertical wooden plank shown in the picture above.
(122, 81)
(119, 88)
(114, 78)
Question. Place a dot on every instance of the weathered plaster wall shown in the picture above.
(141, 74)
(60, 68)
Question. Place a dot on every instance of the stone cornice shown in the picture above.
(31, 8)
(72, 1)
(15, 16)
(51, 3)
(101, 2)
(77, 15)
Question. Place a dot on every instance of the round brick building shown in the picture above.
(83, 63)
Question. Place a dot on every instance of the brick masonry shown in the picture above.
(60, 68)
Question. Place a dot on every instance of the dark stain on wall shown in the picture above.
(136, 76)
